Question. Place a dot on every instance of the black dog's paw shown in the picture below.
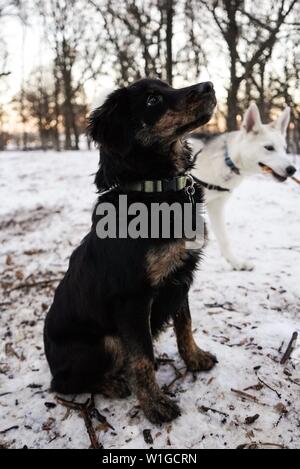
(115, 388)
(161, 409)
(201, 361)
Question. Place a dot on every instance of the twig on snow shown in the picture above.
(178, 376)
(293, 381)
(41, 283)
(290, 349)
(247, 396)
(255, 387)
(256, 445)
(3, 432)
(84, 409)
(214, 411)
(269, 387)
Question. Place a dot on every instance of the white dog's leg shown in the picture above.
(217, 218)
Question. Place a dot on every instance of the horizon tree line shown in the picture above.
(257, 45)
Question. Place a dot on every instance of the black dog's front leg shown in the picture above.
(195, 358)
(135, 331)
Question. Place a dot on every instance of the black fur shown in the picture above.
(107, 291)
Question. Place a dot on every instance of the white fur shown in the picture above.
(246, 148)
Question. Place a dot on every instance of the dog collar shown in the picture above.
(175, 184)
(229, 162)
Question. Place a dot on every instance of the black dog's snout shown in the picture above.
(206, 87)
(290, 170)
(197, 91)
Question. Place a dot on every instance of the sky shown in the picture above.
(27, 49)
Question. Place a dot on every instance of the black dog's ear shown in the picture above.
(109, 125)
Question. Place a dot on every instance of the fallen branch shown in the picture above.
(226, 306)
(85, 410)
(179, 376)
(42, 283)
(269, 387)
(255, 387)
(3, 432)
(247, 396)
(163, 361)
(278, 421)
(256, 445)
(290, 349)
(214, 411)
(293, 381)
(275, 445)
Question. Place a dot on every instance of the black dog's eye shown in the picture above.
(269, 148)
(153, 100)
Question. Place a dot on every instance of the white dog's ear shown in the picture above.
(252, 120)
(283, 121)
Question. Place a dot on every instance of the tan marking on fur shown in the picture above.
(172, 120)
(163, 261)
(168, 123)
(144, 378)
(113, 346)
(157, 407)
(195, 358)
(177, 155)
(186, 343)
(114, 387)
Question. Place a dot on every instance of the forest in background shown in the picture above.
(251, 47)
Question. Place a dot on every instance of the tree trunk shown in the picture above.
(232, 106)
(262, 92)
(232, 36)
(67, 125)
(2, 138)
(67, 107)
(169, 39)
(56, 110)
(74, 128)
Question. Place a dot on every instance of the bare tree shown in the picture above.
(141, 36)
(243, 31)
(3, 60)
(39, 102)
(8, 8)
(69, 30)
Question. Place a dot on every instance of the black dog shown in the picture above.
(119, 293)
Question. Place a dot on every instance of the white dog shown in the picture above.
(225, 161)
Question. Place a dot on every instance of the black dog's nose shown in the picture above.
(290, 171)
(206, 87)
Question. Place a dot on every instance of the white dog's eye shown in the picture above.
(269, 148)
(153, 100)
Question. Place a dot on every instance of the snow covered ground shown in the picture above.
(247, 319)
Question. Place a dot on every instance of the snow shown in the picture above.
(246, 318)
